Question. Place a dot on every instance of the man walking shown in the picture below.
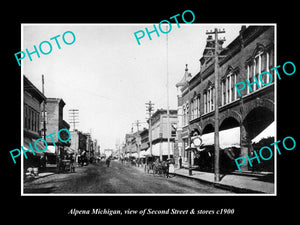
(180, 162)
(108, 161)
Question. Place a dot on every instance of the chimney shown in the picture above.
(243, 28)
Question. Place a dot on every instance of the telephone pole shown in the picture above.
(149, 109)
(137, 123)
(216, 56)
(73, 117)
(168, 107)
(44, 110)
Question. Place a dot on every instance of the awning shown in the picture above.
(39, 145)
(227, 138)
(144, 146)
(270, 131)
(50, 149)
(134, 155)
(162, 148)
(147, 152)
(143, 154)
(70, 150)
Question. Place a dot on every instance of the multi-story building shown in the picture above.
(78, 143)
(133, 144)
(242, 118)
(54, 123)
(96, 148)
(160, 133)
(144, 142)
(31, 123)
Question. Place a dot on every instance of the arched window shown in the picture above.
(261, 60)
(229, 92)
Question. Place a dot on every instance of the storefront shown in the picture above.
(35, 160)
(160, 149)
(229, 143)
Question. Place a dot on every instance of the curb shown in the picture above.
(36, 178)
(222, 186)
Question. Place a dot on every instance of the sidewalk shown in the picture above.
(245, 183)
(49, 170)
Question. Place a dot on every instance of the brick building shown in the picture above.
(54, 123)
(249, 54)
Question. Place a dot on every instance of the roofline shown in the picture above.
(33, 89)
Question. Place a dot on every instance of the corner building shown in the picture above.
(241, 119)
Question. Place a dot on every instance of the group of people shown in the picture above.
(166, 165)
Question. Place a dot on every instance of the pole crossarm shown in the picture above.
(74, 117)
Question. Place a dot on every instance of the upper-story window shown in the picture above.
(208, 97)
(229, 92)
(195, 107)
(185, 117)
(31, 118)
(261, 61)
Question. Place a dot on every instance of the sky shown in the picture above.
(108, 76)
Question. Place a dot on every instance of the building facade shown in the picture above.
(54, 122)
(144, 141)
(133, 145)
(160, 132)
(33, 98)
(249, 54)
(78, 145)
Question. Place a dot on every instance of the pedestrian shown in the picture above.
(108, 161)
(72, 161)
(166, 165)
(180, 162)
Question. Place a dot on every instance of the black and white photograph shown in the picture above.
(108, 111)
(149, 113)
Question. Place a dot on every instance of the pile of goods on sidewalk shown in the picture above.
(32, 172)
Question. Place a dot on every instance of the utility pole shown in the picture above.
(44, 110)
(168, 107)
(149, 108)
(137, 123)
(73, 117)
(216, 56)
